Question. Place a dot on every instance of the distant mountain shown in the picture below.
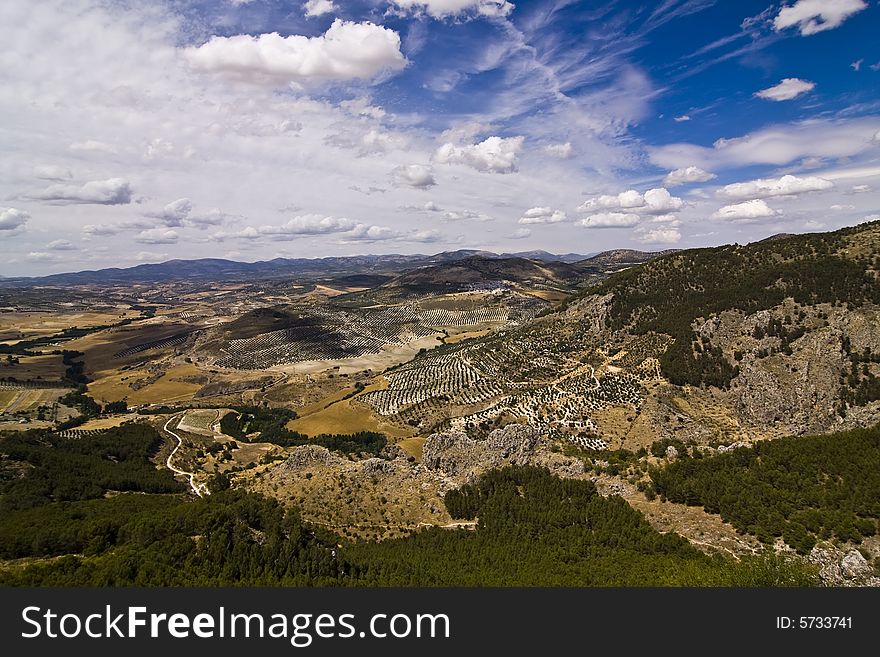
(544, 256)
(217, 269)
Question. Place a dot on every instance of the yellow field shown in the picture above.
(553, 296)
(17, 326)
(48, 368)
(345, 417)
(26, 399)
(167, 388)
(109, 422)
(466, 335)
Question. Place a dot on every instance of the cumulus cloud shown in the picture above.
(365, 233)
(309, 224)
(788, 89)
(12, 218)
(776, 145)
(41, 256)
(318, 7)
(175, 212)
(429, 236)
(812, 16)
(446, 8)
(493, 155)
(61, 245)
(769, 187)
(687, 175)
(180, 213)
(610, 220)
(52, 172)
(113, 191)
(542, 216)
(150, 256)
(746, 212)
(654, 201)
(413, 175)
(449, 215)
(346, 51)
(520, 234)
(101, 230)
(660, 235)
(459, 215)
(157, 236)
(563, 151)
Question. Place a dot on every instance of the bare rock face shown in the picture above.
(855, 566)
(457, 455)
(838, 568)
(310, 455)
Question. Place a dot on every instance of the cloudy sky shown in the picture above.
(250, 129)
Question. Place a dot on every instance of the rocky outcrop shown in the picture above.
(839, 568)
(457, 455)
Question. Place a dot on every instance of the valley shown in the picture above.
(361, 393)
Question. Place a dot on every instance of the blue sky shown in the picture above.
(139, 132)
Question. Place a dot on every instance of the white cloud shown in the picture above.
(777, 145)
(770, 187)
(113, 191)
(446, 8)
(654, 201)
(310, 224)
(687, 175)
(610, 220)
(459, 215)
(175, 212)
(788, 89)
(41, 256)
(429, 236)
(837, 207)
(413, 175)
(157, 236)
(659, 235)
(682, 118)
(562, 151)
(150, 256)
(365, 233)
(12, 219)
(318, 7)
(92, 146)
(61, 245)
(746, 212)
(493, 155)
(346, 51)
(857, 65)
(101, 230)
(520, 234)
(52, 172)
(812, 16)
(542, 216)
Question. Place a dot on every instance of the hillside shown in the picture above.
(482, 271)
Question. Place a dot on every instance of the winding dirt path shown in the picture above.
(199, 489)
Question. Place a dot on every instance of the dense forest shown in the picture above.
(799, 488)
(534, 529)
(270, 423)
(40, 467)
(666, 295)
